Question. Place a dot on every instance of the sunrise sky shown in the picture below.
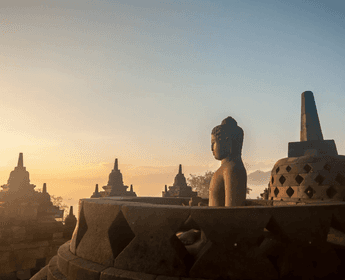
(83, 82)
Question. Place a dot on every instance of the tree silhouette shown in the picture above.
(201, 183)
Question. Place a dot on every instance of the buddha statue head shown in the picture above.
(227, 139)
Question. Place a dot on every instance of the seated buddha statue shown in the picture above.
(229, 183)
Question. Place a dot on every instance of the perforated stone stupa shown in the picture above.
(115, 186)
(180, 187)
(313, 168)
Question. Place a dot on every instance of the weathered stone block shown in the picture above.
(304, 223)
(58, 235)
(9, 276)
(83, 269)
(98, 229)
(79, 230)
(231, 234)
(53, 271)
(321, 147)
(119, 274)
(8, 266)
(18, 233)
(64, 257)
(155, 248)
(43, 273)
(23, 274)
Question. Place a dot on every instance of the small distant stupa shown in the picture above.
(19, 193)
(19, 180)
(115, 186)
(180, 187)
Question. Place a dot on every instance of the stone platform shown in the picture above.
(135, 238)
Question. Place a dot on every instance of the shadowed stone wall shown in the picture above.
(136, 240)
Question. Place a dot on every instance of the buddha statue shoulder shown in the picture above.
(228, 185)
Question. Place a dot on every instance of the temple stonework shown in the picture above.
(313, 169)
(115, 186)
(29, 232)
(179, 188)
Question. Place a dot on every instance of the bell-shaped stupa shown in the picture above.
(19, 178)
(115, 186)
(180, 187)
(313, 169)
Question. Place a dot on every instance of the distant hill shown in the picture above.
(259, 177)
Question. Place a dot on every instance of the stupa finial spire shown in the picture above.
(20, 160)
(96, 189)
(180, 169)
(71, 211)
(310, 123)
(116, 166)
(44, 188)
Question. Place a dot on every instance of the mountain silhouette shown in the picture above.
(259, 177)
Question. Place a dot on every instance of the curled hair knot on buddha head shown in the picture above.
(228, 131)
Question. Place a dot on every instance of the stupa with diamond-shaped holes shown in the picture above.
(313, 168)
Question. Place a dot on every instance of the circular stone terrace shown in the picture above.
(136, 238)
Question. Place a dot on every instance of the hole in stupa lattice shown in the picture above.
(120, 234)
(331, 192)
(82, 227)
(340, 179)
(327, 167)
(276, 191)
(299, 179)
(290, 191)
(307, 168)
(310, 192)
(282, 179)
(272, 180)
(288, 168)
(193, 239)
(277, 170)
(319, 179)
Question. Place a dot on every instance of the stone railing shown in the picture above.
(135, 238)
(27, 246)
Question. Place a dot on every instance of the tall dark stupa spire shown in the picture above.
(180, 169)
(116, 166)
(44, 188)
(20, 160)
(310, 123)
(311, 138)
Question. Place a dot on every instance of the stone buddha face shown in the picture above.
(219, 148)
(226, 139)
